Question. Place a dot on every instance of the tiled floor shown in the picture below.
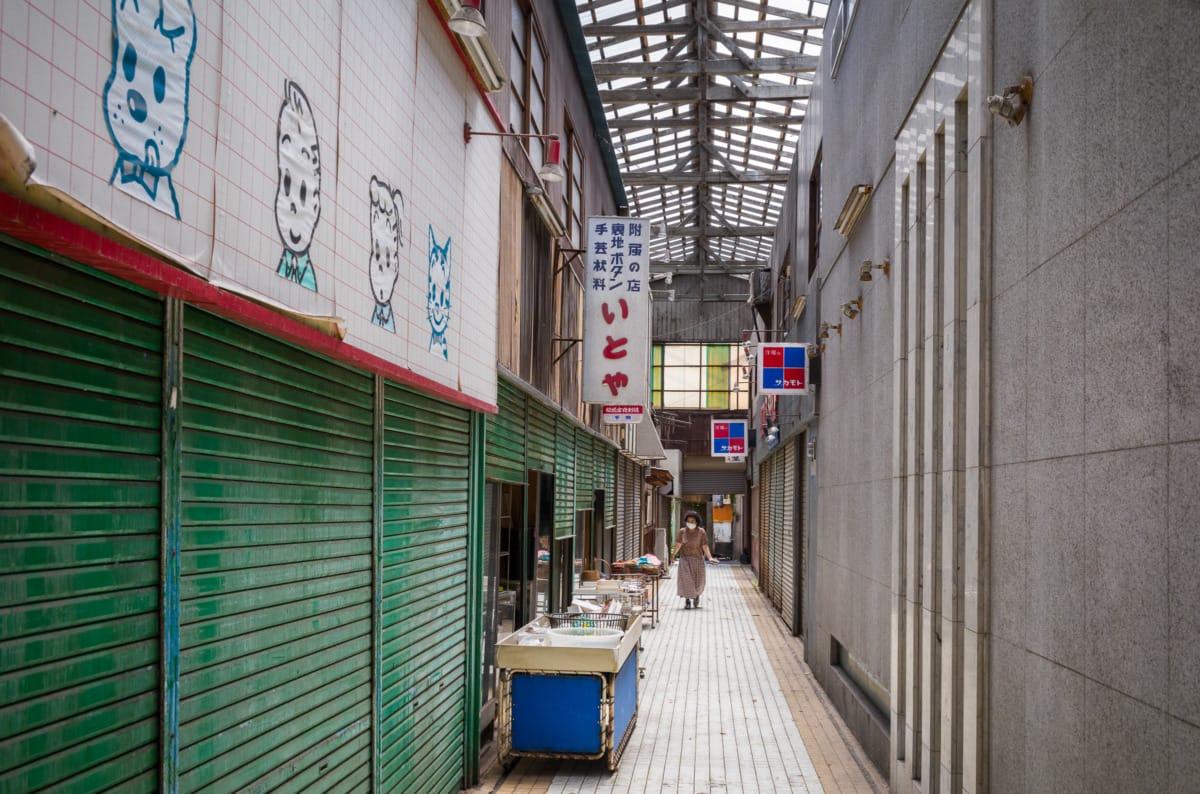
(727, 705)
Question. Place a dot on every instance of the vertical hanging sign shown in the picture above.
(616, 320)
(782, 368)
(728, 437)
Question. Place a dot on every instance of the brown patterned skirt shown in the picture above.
(691, 577)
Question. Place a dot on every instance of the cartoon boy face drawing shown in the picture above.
(437, 303)
(146, 96)
(387, 238)
(298, 194)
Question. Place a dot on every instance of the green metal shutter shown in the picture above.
(540, 436)
(564, 480)
(424, 599)
(606, 475)
(585, 470)
(629, 519)
(80, 419)
(276, 563)
(506, 436)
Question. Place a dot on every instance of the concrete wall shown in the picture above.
(1081, 658)
(1095, 673)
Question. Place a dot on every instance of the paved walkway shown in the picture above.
(727, 706)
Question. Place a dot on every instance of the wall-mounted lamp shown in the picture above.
(551, 170)
(826, 328)
(1012, 104)
(468, 20)
(549, 216)
(852, 210)
(851, 308)
(864, 270)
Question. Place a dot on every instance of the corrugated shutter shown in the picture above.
(80, 419)
(606, 475)
(424, 609)
(564, 479)
(275, 612)
(778, 491)
(802, 522)
(764, 527)
(724, 481)
(629, 519)
(506, 436)
(787, 545)
(585, 470)
(540, 436)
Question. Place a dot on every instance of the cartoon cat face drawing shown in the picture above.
(298, 194)
(146, 95)
(438, 295)
(387, 238)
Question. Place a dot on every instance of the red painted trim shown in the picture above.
(57, 235)
(462, 56)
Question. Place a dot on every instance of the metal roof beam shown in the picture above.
(750, 177)
(730, 231)
(795, 119)
(691, 68)
(716, 93)
(721, 24)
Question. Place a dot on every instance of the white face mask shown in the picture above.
(691, 524)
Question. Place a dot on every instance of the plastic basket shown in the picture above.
(560, 620)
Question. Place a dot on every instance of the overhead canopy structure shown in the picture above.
(704, 101)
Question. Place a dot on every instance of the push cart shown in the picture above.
(568, 701)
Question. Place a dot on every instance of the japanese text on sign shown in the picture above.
(728, 437)
(782, 368)
(616, 331)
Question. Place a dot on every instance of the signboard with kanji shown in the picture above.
(728, 437)
(622, 414)
(616, 319)
(782, 368)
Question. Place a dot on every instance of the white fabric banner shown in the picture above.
(616, 319)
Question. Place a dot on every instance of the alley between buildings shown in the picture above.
(727, 705)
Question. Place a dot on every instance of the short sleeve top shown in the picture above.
(692, 542)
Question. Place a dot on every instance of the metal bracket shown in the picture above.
(572, 340)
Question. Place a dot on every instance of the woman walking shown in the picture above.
(691, 549)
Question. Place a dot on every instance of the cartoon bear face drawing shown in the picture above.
(387, 238)
(146, 95)
(298, 194)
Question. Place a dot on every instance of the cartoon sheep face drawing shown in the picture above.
(146, 96)
(298, 193)
(387, 238)
(438, 296)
